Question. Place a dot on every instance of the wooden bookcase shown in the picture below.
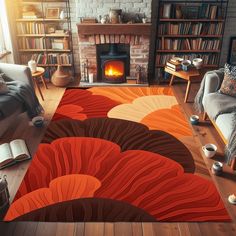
(190, 29)
(43, 35)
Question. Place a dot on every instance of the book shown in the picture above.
(174, 65)
(13, 152)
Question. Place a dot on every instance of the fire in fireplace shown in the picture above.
(114, 65)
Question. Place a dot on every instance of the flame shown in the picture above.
(112, 71)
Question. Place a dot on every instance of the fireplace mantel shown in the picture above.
(114, 29)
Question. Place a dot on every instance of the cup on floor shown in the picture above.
(209, 150)
(38, 121)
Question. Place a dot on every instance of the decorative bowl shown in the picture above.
(194, 119)
(197, 62)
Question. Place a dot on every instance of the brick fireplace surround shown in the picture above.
(136, 35)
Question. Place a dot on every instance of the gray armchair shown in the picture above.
(15, 72)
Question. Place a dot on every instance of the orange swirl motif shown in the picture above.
(143, 179)
(171, 121)
(128, 94)
(81, 104)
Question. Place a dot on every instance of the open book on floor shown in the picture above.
(13, 152)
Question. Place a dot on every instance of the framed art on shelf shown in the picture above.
(52, 13)
(232, 51)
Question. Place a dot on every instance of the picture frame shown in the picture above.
(232, 51)
(52, 13)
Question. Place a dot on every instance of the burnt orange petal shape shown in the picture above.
(64, 188)
(171, 121)
(72, 111)
(143, 179)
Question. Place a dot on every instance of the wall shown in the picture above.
(230, 30)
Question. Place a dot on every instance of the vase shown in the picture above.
(60, 78)
(62, 15)
(32, 65)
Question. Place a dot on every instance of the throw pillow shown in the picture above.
(228, 85)
(3, 87)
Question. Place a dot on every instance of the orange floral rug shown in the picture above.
(118, 154)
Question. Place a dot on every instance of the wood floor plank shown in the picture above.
(123, 229)
(137, 229)
(46, 229)
(79, 229)
(109, 229)
(92, 229)
(67, 229)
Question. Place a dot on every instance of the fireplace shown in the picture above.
(114, 64)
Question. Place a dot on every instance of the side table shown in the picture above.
(38, 75)
(190, 75)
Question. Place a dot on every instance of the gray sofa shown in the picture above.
(15, 72)
(224, 121)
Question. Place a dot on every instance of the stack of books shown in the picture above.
(174, 64)
(30, 15)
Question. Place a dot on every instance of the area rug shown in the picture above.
(118, 155)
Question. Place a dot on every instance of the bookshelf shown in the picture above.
(44, 34)
(186, 29)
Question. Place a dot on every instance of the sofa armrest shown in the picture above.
(17, 72)
(212, 82)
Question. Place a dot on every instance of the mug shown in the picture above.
(209, 150)
(38, 121)
(217, 168)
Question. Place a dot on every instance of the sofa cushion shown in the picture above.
(216, 103)
(225, 123)
(228, 85)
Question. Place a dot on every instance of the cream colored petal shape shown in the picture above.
(141, 107)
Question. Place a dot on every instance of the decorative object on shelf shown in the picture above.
(66, 43)
(51, 28)
(139, 77)
(186, 65)
(62, 15)
(167, 11)
(198, 62)
(178, 12)
(84, 75)
(4, 196)
(232, 51)
(32, 65)
(90, 78)
(53, 13)
(115, 16)
(60, 77)
(104, 19)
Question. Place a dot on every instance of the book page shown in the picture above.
(5, 153)
(19, 149)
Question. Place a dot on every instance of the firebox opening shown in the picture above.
(113, 62)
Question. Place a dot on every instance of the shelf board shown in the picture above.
(43, 50)
(41, 20)
(188, 51)
(205, 66)
(51, 65)
(190, 36)
(190, 20)
(44, 35)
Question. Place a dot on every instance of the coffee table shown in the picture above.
(192, 74)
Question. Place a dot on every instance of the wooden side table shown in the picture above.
(38, 75)
(190, 75)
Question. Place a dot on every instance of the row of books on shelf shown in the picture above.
(50, 58)
(193, 11)
(188, 44)
(43, 43)
(30, 28)
(190, 28)
(208, 59)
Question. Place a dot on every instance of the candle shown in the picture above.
(90, 78)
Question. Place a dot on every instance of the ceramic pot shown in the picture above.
(114, 15)
(32, 65)
(60, 78)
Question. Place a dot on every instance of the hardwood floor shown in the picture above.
(203, 133)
